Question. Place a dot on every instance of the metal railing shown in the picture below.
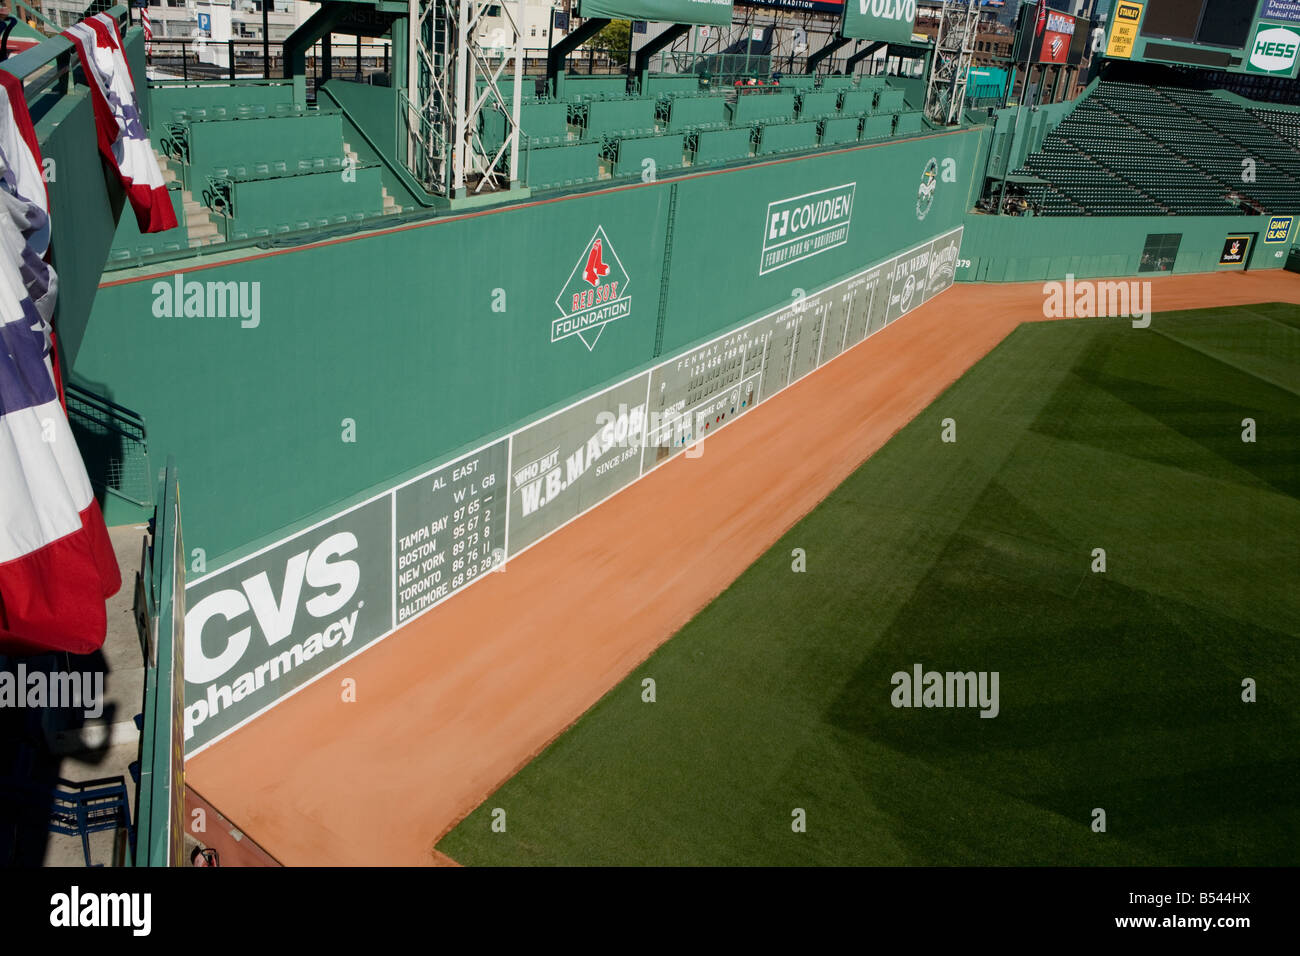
(244, 58)
(160, 619)
(112, 439)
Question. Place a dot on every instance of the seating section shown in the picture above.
(546, 124)
(597, 132)
(222, 143)
(878, 126)
(266, 167)
(280, 204)
(1136, 150)
(631, 116)
(799, 81)
(906, 124)
(130, 243)
(629, 154)
(668, 84)
(695, 112)
(784, 137)
(858, 101)
(578, 88)
(843, 129)
(752, 107)
(176, 100)
(556, 167)
(1284, 123)
(722, 146)
(890, 101)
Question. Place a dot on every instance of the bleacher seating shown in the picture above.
(890, 100)
(545, 123)
(858, 102)
(878, 126)
(842, 129)
(629, 116)
(226, 142)
(695, 112)
(669, 83)
(819, 103)
(630, 153)
(906, 124)
(721, 146)
(1132, 149)
(785, 137)
(762, 107)
(130, 243)
(1285, 123)
(263, 167)
(557, 167)
(166, 99)
(799, 81)
(838, 82)
(578, 88)
(679, 123)
(266, 205)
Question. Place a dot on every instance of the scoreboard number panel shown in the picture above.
(808, 338)
(451, 528)
(780, 354)
(836, 337)
(715, 381)
(879, 300)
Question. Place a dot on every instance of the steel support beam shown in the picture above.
(816, 58)
(853, 61)
(641, 65)
(556, 56)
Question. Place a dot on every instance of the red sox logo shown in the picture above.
(594, 295)
(595, 267)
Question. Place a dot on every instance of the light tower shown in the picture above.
(954, 49)
(457, 70)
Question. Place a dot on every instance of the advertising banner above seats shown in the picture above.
(889, 20)
(704, 12)
(808, 6)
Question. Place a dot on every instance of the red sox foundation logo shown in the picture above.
(594, 295)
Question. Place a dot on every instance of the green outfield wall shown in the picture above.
(1021, 249)
(433, 336)
(262, 626)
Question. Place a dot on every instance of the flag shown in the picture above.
(122, 137)
(56, 561)
(146, 25)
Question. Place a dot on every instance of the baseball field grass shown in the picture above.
(1145, 713)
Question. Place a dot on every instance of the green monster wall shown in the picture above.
(427, 339)
(294, 384)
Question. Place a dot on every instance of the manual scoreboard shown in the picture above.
(1260, 37)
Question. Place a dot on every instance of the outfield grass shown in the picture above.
(1118, 690)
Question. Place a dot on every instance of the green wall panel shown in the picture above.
(396, 332)
(722, 223)
(1009, 248)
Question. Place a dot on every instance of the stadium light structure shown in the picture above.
(954, 52)
(450, 53)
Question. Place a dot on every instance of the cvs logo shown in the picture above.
(331, 581)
